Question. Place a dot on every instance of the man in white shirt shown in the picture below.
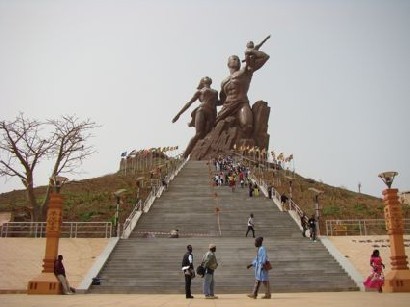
(250, 226)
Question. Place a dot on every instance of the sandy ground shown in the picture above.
(357, 249)
(312, 299)
(21, 259)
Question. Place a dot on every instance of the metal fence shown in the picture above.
(360, 227)
(68, 229)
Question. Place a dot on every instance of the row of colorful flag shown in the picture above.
(282, 157)
(249, 148)
(144, 152)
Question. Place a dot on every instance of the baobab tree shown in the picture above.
(24, 143)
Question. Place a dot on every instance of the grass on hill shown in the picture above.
(335, 202)
(93, 200)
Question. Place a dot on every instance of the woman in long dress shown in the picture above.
(376, 278)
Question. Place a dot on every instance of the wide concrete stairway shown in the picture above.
(150, 262)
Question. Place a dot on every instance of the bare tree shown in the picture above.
(22, 148)
(69, 147)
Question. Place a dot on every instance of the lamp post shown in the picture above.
(139, 184)
(290, 191)
(46, 282)
(117, 195)
(398, 279)
(317, 209)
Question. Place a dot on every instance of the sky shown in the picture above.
(337, 80)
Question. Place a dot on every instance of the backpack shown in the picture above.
(200, 270)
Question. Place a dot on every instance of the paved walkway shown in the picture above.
(21, 260)
(338, 299)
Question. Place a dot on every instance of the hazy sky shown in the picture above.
(337, 81)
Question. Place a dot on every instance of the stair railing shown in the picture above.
(140, 208)
(294, 210)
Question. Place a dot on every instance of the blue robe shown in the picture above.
(258, 261)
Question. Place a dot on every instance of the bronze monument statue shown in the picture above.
(203, 117)
(237, 124)
(234, 89)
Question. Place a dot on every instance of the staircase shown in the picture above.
(150, 262)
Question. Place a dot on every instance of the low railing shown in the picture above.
(132, 220)
(140, 208)
(360, 227)
(263, 184)
(68, 229)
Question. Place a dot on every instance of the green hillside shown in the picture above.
(93, 199)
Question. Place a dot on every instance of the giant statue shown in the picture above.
(237, 124)
(234, 89)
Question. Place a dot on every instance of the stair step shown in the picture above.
(153, 265)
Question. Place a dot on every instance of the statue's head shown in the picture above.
(234, 63)
(250, 45)
(204, 81)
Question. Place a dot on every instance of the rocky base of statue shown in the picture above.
(227, 133)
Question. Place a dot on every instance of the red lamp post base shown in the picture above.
(45, 283)
(397, 281)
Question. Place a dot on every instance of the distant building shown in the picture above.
(404, 197)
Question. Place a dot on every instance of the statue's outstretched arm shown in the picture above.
(261, 43)
(186, 106)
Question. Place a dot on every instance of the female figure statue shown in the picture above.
(202, 117)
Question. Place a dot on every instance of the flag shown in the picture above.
(132, 153)
(273, 155)
(288, 159)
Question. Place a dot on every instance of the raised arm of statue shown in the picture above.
(261, 43)
(187, 105)
(250, 47)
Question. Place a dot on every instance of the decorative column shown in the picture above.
(117, 195)
(398, 279)
(317, 209)
(46, 282)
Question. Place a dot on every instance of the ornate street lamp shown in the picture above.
(117, 195)
(398, 279)
(388, 177)
(317, 209)
(46, 282)
(290, 191)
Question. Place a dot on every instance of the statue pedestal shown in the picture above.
(227, 135)
(397, 281)
(45, 283)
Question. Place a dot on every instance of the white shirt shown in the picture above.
(250, 222)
